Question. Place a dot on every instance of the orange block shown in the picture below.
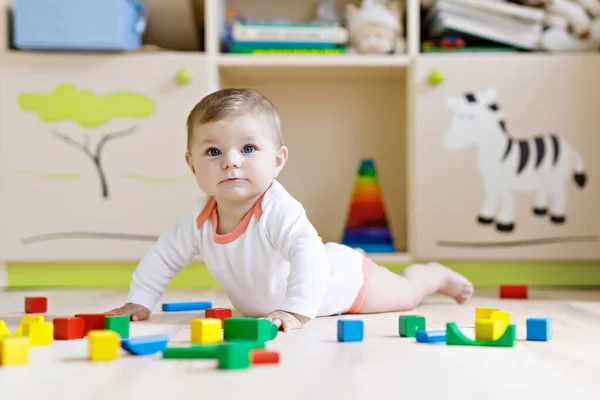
(366, 197)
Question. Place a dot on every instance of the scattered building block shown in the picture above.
(145, 345)
(28, 319)
(249, 329)
(221, 313)
(435, 336)
(264, 357)
(234, 355)
(118, 323)
(484, 313)
(455, 337)
(489, 329)
(103, 345)
(208, 351)
(14, 350)
(513, 291)
(36, 305)
(206, 330)
(189, 306)
(40, 333)
(3, 329)
(69, 328)
(500, 315)
(539, 329)
(350, 330)
(93, 322)
(408, 325)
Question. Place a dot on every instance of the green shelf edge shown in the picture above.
(118, 274)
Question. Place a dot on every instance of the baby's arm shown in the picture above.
(172, 252)
(292, 234)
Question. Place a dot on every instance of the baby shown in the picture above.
(256, 239)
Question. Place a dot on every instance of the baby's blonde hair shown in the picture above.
(229, 102)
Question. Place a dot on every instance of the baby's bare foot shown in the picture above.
(455, 285)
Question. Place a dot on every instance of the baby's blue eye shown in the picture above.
(249, 149)
(213, 152)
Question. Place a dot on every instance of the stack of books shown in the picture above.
(287, 38)
(485, 23)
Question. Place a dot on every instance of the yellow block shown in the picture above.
(501, 316)
(28, 319)
(489, 329)
(484, 313)
(40, 333)
(206, 330)
(14, 350)
(103, 345)
(3, 329)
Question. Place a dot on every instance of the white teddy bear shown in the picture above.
(376, 27)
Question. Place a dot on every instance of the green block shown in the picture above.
(118, 323)
(367, 171)
(235, 355)
(408, 325)
(456, 338)
(249, 329)
(367, 180)
(195, 351)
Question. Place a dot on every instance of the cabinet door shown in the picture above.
(93, 153)
(506, 164)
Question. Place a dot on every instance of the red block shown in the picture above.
(93, 321)
(36, 305)
(221, 313)
(264, 357)
(513, 291)
(69, 328)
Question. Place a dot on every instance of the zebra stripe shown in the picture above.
(540, 150)
(556, 146)
(508, 147)
(470, 97)
(502, 125)
(493, 107)
(523, 155)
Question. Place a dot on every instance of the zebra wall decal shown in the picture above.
(507, 165)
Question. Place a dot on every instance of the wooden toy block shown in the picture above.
(435, 336)
(206, 331)
(489, 329)
(36, 305)
(145, 345)
(234, 355)
(350, 330)
(103, 345)
(484, 313)
(14, 350)
(93, 322)
(539, 329)
(513, 291)
(118, 323)
(503, 316)
(455, 337)
(221, 313)
(28, 319)
(69, 328)
(208, 351)
(408, 325)
(190, 306)
(40, 333)
(3, 329)
(249, 329)
(264, 357)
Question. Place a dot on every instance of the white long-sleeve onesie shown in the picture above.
(274, 259)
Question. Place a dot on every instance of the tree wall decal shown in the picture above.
(90, 111)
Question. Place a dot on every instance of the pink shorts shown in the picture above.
(360, 298)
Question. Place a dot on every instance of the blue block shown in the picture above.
(373, 248)
(192, 306)
(431, 336)
(145, 345)
(539, 329)
(350, 330)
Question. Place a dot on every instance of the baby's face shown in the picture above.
(236, 159)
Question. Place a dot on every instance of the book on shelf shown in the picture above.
(288, 32)
(504, 23)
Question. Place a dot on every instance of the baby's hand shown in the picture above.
(136, 311)
(286, 321)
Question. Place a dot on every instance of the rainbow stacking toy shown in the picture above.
(367, 226)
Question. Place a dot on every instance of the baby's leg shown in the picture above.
(388, 291)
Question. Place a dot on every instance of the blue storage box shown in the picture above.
(101, 25)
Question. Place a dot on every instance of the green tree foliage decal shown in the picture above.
(88, 110)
